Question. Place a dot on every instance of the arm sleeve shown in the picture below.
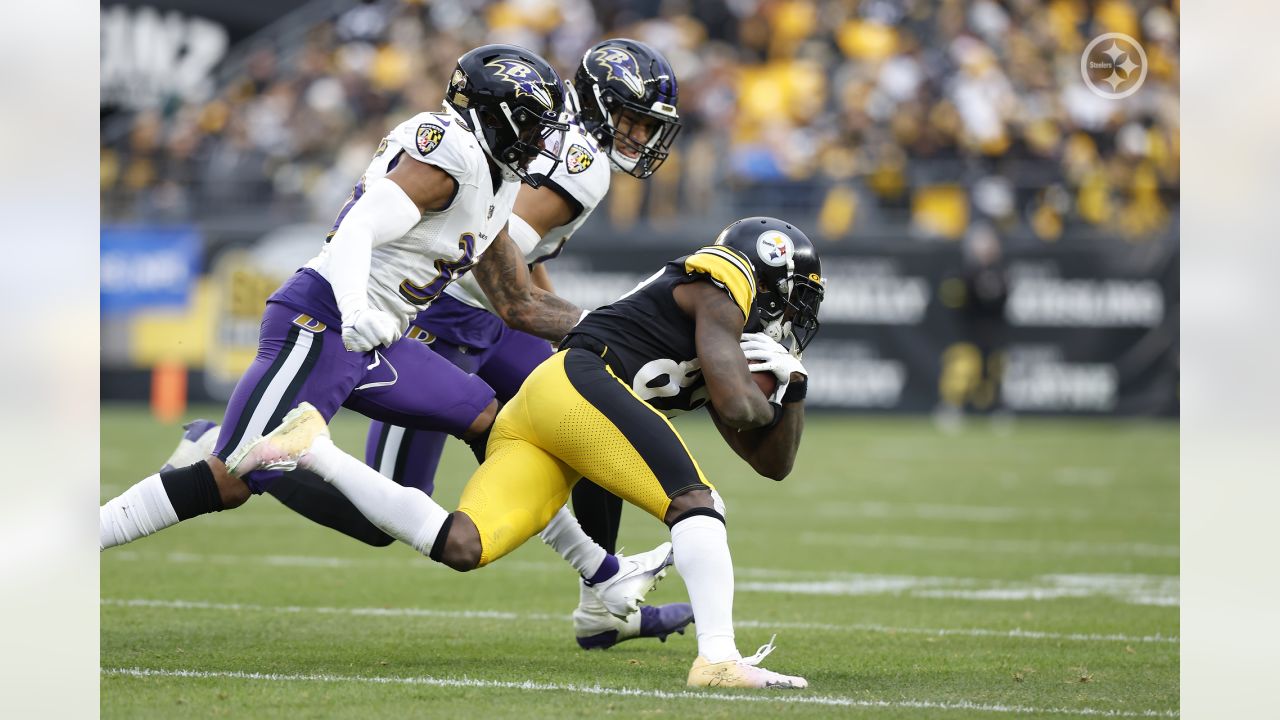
(384, 213)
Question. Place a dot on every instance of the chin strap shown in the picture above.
(761, 654)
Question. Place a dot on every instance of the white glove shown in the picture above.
(367, 328)
(768, 355)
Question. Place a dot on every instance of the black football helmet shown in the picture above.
(789, 282)
(622, 74)
(511, 100)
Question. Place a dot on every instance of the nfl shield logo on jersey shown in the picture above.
(774, 248)
(429, 137)
(578, 159)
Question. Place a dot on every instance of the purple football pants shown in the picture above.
(410, 455)
(302, 359)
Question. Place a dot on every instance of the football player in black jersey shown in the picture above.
(688, 336)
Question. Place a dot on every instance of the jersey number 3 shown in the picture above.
(446, 272)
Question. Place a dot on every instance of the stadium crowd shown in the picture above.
(856, 113)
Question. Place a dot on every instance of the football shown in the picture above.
(766, 381)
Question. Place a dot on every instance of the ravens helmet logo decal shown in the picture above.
(526, 80)
(578, 159)
(621, 67)
(429, 137)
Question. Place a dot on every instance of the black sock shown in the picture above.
(442, 538)
(479, 444)
(599, 512)
(307, 494)
(192, 490)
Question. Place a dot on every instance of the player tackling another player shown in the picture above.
(622, 117)
(688, 336)
(433, 203)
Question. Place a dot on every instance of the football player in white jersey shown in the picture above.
(433, 203)
(623, 118)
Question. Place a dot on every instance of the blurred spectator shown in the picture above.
(847, 110)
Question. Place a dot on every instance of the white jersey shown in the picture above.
(406, 275)
(583, 174)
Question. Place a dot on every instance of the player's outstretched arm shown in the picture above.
(536, 212)
(505, 280)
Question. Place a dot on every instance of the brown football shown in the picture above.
(766, 381)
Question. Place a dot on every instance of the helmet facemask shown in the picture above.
(801, 315)
(791, 310)
(618, 121)
(523, 135)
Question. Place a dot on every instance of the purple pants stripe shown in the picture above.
(406, 384)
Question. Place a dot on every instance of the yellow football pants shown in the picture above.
(573, 418)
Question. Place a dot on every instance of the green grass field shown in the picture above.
(1031, 572)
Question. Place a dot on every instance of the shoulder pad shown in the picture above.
(727, 268)
(439, 139)
(583, 171)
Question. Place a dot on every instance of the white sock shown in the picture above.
(701, 547)
(406, 514)
(137, 512)
(566, 537)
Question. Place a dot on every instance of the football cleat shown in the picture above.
(637, 575)
(282, 448)
(597, 629)
(198, 438)
(744, 673)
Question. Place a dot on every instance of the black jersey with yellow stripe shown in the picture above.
(649, 341)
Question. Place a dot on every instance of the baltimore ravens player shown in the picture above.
(432, 204)
(625, 94)
(599, 408)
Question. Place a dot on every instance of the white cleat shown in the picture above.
(637, 575)
(597, 629)
(282, 448)
(744, 673)
(198, 438)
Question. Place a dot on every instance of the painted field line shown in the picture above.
(1016, 633)
(530, 686)
(1033, 547)
(1158, 590)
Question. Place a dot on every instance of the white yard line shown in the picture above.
(1159, 590)
(1031, 547)
(525, 617)
(789, 698)
(983, 514)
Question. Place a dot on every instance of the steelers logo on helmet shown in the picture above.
(621, 66)
(578, 159)
(526, 80)
(774, 248)
(429, 137)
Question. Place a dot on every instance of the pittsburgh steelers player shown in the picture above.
(688, 336)
(432, 204)
(623, 118)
